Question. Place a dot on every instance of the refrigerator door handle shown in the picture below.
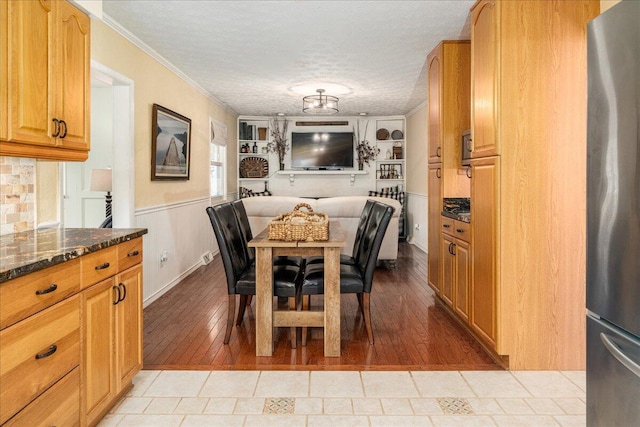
(619, 355)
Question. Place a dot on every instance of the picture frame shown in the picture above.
(170, 145)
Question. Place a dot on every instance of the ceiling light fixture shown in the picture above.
(320, 103)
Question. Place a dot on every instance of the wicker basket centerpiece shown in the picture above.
(299, 225)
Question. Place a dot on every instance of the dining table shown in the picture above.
(329, 318)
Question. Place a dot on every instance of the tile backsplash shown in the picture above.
(17, 194)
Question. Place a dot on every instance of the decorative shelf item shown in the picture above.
(254, 167)
(397, 134)
(382, 134)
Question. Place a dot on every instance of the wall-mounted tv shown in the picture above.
(322, 150)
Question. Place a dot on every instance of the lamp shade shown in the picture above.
(100, 180)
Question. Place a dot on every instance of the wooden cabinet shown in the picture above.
(456, 266)
(433, 96)
(129, 326)
(99, 358)
(4, 79)
(485, 175)
(37, 352)
(484, 66)
(71, 337)
(112, 328)
(449, 111)
(48, 62)
(527, 189)
(434, 216)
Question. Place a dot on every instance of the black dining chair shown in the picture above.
(241, 272)
(358, 278)
(238, 205)
(344, 258)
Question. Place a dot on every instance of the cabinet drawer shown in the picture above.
(129, 254)
(462, 230)
(26, 295)
(99, 266)
(36, 353)
(447, 225)
(58, 406)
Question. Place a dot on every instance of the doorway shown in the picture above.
(111, 147)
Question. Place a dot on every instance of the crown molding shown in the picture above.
(415, 110)
(114, 25)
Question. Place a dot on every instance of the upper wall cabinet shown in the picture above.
(47, 53)
(484, 37)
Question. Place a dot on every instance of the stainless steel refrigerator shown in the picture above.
(613, 217)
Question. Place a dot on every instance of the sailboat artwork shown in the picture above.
(170, 145)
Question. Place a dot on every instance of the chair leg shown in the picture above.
(231, 310)
(359, 295)
(306, 302)
(366, 300)
(243, 305)
(249, 299)
(293, 330)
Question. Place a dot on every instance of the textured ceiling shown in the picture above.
(248, 54)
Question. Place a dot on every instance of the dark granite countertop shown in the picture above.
(29, 251)
(460, 216)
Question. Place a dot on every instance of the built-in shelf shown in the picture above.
(293, 172)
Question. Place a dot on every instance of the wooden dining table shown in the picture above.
(329, 318)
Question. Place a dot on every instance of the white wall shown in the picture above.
(184, 231)
(417, 166)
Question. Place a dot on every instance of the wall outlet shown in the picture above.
(164, 256)
(417, 226)
(207, 258)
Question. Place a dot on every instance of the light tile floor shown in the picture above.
(321, 398)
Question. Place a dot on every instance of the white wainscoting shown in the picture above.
(417, 208)
(184, 231)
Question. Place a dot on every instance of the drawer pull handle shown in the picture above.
(51, 288)
(124, 291)
(459, 230)
(134, 253)
(52, 349)
(103, 266)
(438, 151)
(57, 132)
(118, 298)
(64, 132)
(446, 225)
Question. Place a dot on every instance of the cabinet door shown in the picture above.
(485, 175)
(98, 334)
(434, 97)
(484, 47)
(129, 325)
(434, 218)
(462, 278)
(4, 71)
(448, 266)
(31, 55)
(72, 72)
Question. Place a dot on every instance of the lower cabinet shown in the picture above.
(113, 340)
(456, 267)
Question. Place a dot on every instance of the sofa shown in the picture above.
(344, 209)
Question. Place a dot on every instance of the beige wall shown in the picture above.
(417, 151)
(154, 83)
(606, 4)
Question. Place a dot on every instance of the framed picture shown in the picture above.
(170, 145)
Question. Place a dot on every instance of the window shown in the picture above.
(218, 159)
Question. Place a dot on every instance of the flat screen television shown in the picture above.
(322, 150)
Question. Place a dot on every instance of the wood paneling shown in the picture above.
(184, 329)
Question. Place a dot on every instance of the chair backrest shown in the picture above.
(243, 219)
(379, 219)
(362, 225)
(230, 240)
